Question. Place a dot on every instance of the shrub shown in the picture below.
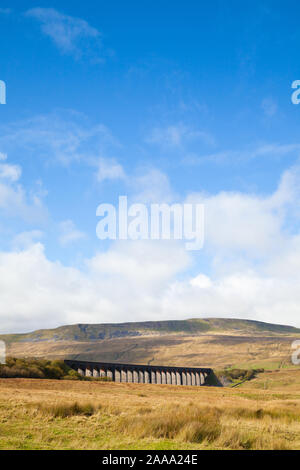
(42, 369)
(53, 372)
(34, 368)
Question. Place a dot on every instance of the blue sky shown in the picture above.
(164, 102)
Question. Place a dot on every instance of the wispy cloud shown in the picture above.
(24, 240)
(15, 200)
(151, 185)
(63, 137)
(69, 233)
(109, 169)
(177, 136)
(271, 150)
(73, 36)
(8, 171)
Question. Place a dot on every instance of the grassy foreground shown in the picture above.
(53, 414)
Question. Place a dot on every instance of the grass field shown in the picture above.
(53, 414)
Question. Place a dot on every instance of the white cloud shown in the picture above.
(15, 200)
(253, 271)
(8, 171)
(37, 292)
(69, 233)
(243, 294)
(26, 239)
(109, 169)
(71, 35)
(240, 223)
(201, 281)
(139, 265)
(150, 185)
(250, 228)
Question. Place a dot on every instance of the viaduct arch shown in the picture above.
(146, 374)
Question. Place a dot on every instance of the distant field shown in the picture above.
(49, 414)
(284, 380)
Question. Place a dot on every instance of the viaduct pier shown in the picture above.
(146, 374)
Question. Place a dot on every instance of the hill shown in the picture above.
(212, 342)
(101, 331)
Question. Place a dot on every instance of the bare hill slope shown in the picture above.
(212, 342)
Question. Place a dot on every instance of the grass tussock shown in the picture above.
(244, 439)
(66, 410)
(188, 424)
(280, 414)
(220, 427)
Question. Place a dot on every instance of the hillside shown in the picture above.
(212, 342)
(96, 332)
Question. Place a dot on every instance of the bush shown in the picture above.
(53, 372)
(35, 368)
(231, 375)
(42, 369)
(70, 377)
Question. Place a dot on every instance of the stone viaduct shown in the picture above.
(146, 374)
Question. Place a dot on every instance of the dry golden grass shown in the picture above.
(49, 414)
(66, 410)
